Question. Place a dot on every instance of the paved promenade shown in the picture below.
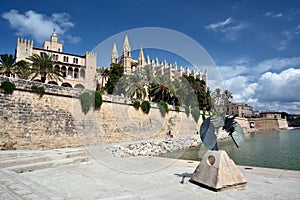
(106, 177)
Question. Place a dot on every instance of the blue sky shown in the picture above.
(255, 44)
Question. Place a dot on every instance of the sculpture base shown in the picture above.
(217, 171)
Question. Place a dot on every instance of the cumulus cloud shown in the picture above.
(40, 26)
(228, 28)
(241, 88)
(271, 84)
(279, 87)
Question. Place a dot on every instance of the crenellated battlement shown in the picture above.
(90, 54)
(27, 43)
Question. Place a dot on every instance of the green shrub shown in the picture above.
(187, 111)
(195, 113)
(145, 107)
(38, 90)
(177, 109)
(136, 104)
(98, 99)
(90, 99)
(163, 108)
(8, 87)
(86, 101)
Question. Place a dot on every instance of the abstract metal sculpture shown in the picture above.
(210, 126)
(216, 170)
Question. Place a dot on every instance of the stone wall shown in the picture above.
(55, 120)
(265, 123)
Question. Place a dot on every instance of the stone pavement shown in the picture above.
(106, 177)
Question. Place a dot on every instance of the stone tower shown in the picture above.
(141, 59)
(114, 55)
(90, 64)
(126, 56)
(53, 44)
(24, 49)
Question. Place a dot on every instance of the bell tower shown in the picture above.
(53, 44)
(126, 56)
(114, 55)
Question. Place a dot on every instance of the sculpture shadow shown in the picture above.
(187, 175)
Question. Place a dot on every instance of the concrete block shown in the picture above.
(217, 171)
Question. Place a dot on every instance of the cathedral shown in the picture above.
(159, 68)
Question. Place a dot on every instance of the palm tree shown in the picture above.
(227, 96)
(23, 70)
(43, 65)
(148, 75)
(134, 86)
(217, 96)
(8, 65)
(163, 88)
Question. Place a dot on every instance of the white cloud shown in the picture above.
(287, 37)
(227, 28)
(271, 84)
(228, 72)
(276, 64)
(275, 15)
(39, 26)
(217, 25)
(241, 88)
(281, 87)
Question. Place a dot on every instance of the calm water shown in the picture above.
(276, 149)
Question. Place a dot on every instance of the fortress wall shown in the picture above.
(282, 123)
(244, 122)
(264, 123)
(55, 120)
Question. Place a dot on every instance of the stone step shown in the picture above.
(15, 161)
(17, 187)
(16, 154)
(47, 164)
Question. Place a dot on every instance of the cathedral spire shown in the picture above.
(141, 59)
(114, 54)
(126, 47)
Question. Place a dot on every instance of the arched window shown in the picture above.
(79, 86)
(66, 85)
(76, 73)
(70, 72)
(52, 83)
(57, 68)
(64, 71)
(66, 59)
(82, 73)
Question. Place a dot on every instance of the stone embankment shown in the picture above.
(158, 146)
(153, 147)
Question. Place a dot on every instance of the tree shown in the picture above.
(8, 65)
(204, 100)
(148, 76)
(226, 96)
(162, 89)
(217, 96)
(114, 73)
(43, 65)
(24, 71)
(134, 86)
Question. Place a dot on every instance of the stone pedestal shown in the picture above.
(217, 171)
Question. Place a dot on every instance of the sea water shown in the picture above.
(272, 149)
